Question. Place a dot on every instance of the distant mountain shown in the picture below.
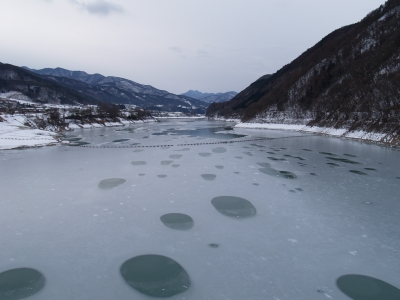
(220, 97)
(350, 79)
(122, 91)
(195, 94)
(39, 89)
(210, 97)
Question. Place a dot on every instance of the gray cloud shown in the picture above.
(99, 7)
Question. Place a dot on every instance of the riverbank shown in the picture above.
(16, 133)
(374, 137)
(19, 131)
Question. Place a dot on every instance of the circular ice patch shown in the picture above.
(205, 154)
(184, 149)
(155, 275)
(219, 150)
(111, 183)
(357, 172)
(234, 206)
(20, 283)
(288, 175)
(368, 288)
(177, 221)
(138, 163)
(209, 177)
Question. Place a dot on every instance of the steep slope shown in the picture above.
(123, 91)
(350, 79)
(39, 89)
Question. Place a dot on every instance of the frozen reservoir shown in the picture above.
(186, 209)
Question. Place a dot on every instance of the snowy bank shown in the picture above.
(14, 133)
(343, 133)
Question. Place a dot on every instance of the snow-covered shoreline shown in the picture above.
(15, 132)
(360, 135)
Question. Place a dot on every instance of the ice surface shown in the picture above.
(55, 219)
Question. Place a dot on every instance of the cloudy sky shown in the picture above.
(175, 45)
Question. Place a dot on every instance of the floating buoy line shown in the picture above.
(182, 145)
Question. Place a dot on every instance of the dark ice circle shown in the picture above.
(362, 287)
(111, 183)
(234, 206)
(177, 221)
(155, 275)
(20, 283)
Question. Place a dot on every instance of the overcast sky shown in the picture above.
(175, 45)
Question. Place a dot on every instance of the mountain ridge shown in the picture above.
(118, 90)
(210, 97)
(348, 79)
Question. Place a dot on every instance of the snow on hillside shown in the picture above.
(15, 133)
